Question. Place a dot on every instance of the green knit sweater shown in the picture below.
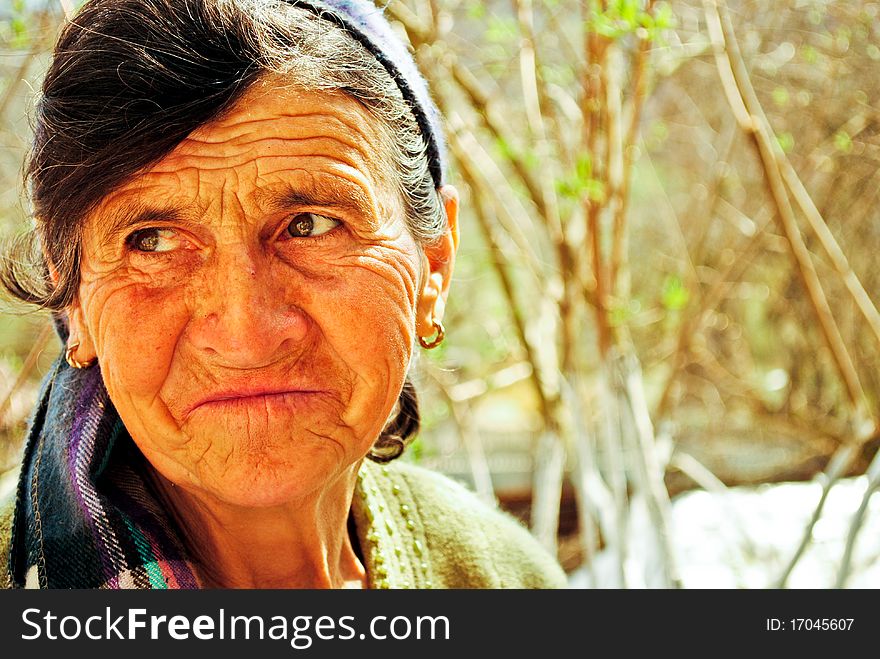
(419, 529)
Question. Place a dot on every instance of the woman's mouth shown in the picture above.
(254, 399)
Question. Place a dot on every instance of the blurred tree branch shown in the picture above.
(745, 107)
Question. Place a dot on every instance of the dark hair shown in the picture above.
(130, 79)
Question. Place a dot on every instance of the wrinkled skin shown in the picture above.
(253, 300)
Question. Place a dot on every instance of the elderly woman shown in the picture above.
(243, 230)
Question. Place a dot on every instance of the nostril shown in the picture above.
(246, 332)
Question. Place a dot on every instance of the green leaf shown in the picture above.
(843, 141)
(604, 25)
(584, 167)
(18, 25)
(781, 96)
(501, 30)
(810, 54)
(628, 10)
(20, 38)
(581, 182)
(476, 10)
(664, 19)
(596, 191)
(786, 141)
(675, 295)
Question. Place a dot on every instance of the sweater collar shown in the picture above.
(390, 530)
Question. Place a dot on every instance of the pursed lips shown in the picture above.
(250, 396)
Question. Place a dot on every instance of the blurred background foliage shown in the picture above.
(667, 277)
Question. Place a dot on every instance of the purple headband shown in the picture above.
(367, 25)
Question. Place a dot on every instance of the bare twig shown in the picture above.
(609, 432)
(742, 104)
(28, 366)
(857, 522)
(639, 84)
(528, 68)
(499, 265)
(535, 187)
(692, 325)
(595, 118)
(420, 33)
(547, 489)
(616, 167)
(832, 248)
(515, 219)
(68, 8)
(535, 101)
(594, 501)
(649, 468)
(796, 187)
(467, 431)
(550, 450)
(837, 467)
(39, 43)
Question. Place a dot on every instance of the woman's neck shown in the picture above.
(302, 544)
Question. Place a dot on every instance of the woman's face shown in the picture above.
(253, 298)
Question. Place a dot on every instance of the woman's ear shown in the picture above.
(440, 257)
(80, 344)
(80, 348)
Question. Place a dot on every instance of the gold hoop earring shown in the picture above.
(437, 340)
(72, 361)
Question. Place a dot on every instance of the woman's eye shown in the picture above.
(153, 240)
(309, 225)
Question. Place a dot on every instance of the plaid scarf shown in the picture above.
(86, 514)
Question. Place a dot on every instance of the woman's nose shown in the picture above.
(242, 316)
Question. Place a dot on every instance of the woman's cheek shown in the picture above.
(371, 324)
(138, 327)
(382, 290)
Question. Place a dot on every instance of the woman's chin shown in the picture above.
(266, 483)
(258, 475)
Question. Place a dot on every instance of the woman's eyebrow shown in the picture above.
(344, 197)
(129, 216)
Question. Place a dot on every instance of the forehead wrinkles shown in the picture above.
(243, 128)
(346, 139)
(262, 152)
(277, 131)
